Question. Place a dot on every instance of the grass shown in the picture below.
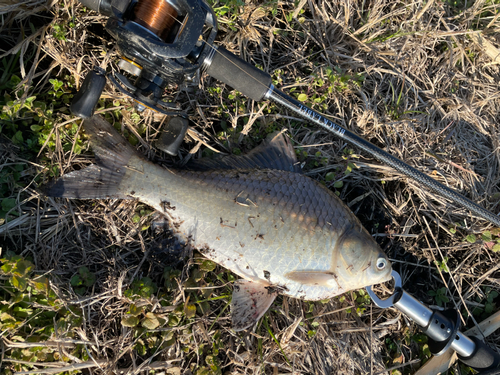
(103, 286)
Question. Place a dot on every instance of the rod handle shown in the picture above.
(240, 75)
(86, 99)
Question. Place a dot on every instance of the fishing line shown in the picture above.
(158, 16)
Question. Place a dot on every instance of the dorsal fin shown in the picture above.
(275, 152)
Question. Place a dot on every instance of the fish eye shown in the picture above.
(381, 263)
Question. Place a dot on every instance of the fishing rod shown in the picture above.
(442, 328)
(170, 41)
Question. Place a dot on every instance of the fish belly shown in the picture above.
(260, 224)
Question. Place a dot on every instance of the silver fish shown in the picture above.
(256, 215)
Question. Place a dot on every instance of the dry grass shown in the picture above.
(430, 95)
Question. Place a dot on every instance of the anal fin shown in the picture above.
(249, 303)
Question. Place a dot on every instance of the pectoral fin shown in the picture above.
(250, 301)
(320, 278)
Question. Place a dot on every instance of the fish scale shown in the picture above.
(277, 229)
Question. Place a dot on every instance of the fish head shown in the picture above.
(359, 261)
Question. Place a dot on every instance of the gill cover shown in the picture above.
(360, 261)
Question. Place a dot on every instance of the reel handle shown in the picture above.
(86, 99)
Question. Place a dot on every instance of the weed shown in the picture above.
(421, 340)
(142, 288)
(9, 80)
(442, 264)
(30, 122)
(327, 83)
(82, 280)
(148, 324)
(471, 238)
(348, 155)
(439, 296)
(10, 179)
(487, 303)
(32, 312)
(266, 324)
(142, 217)
(491, 239)
(59, 32)
(395, 108)
(227, 11)
(361, 300)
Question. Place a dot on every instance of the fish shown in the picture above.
(257, 215)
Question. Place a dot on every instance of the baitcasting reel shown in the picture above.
(161, 42)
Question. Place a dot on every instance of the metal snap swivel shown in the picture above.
(389, 302)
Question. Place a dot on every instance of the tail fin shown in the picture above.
(102, 180)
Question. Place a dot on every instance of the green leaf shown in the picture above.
(197, 275)
(8, 204)
(208, 266)
(471, 238)
(173, 320)
(22, 268)
(426, 351)
(17, 139)
(151, 321)
(496, 248)
(7, 267)
(19, 283)
(134, 310)
(489, 307)
(87, 276)
(22, 312)
(338, 184)
(203, 307)
(76, 281)
(486, 236)
(6, 317)
(190, 311)
(130, 321)
(330, 176)
(495, 231)
(302, 97)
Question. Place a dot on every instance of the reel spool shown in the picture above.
(161, 42)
